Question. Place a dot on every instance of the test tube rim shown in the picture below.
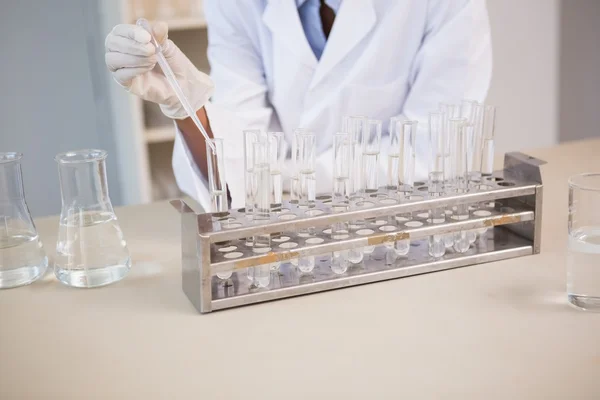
(92, 155)
(10, 156)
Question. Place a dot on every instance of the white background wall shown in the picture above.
(525, 40)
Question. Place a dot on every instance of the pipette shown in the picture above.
(170, 75)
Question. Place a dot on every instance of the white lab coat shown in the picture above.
(383, 58)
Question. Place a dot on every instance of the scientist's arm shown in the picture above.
(194, 139)
(454, 61)
(239, 101)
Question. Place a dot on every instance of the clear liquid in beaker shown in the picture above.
(91, 250)
(583, 268)
(22, 259)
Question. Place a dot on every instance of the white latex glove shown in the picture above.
(132, 60)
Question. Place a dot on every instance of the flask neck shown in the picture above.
(11, 179)
(83, 183)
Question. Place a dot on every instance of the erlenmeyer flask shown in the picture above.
(22, 258)
(90, 250)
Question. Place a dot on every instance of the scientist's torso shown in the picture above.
(365, 67)
(382, 58)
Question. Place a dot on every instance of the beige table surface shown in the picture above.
(493, 331)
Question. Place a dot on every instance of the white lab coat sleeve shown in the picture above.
(453, 63)
(240, 100)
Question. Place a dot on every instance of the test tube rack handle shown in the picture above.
(509, 207)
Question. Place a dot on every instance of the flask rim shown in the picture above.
(11, 156)
(80, 156)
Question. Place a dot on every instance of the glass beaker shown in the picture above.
(90, 250)
(22, 257)
(583, 253)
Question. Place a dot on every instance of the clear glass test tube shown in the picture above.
(454, 127)
(261, 209)
(307, 147)
(406, 173)
(356, 129)
(216, 177)
(489, 127)
(476, 145)
(393, 167)
(342, 165)
(342, 156)
(461, 149)
(306, 169)
(435, 185)
(250, 137)
(276, 157)
(294, 177)
(371, 148)
(345, 124)
(467, 110)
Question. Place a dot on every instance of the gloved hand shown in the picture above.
(132, 59)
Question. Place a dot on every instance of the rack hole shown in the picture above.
(388, 201)
(235, 254)
(288, 245)
(364, 232)
(227, 249)
(387, 228)
(413, 224)
(364, 204)
(315, 240)
(482, 213)
(287, 216)
(281, 239)
(261, 250)
(506, 183)
(314, 213)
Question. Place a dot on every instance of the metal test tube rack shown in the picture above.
(510, 205)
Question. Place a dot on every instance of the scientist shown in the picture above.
(277, 65)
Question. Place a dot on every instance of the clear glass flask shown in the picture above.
(261, 275)
(583, 250)
(22, 257)
(435, 184)
(90, 250)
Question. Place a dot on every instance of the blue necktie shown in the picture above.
(313, 27)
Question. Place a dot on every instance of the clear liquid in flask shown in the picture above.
(91, 250)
